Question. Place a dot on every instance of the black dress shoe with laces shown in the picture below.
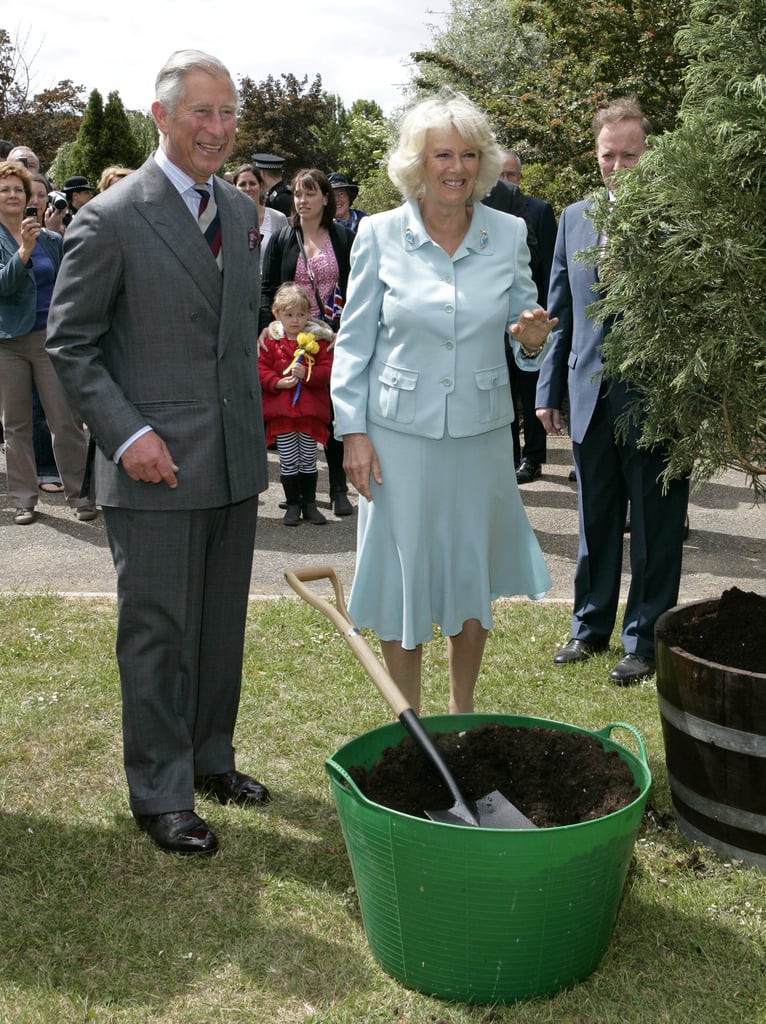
(528, 471)
(577, 650)
(631, 669)
(178, 832)
(233, 787)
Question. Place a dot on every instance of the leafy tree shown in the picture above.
(686, 258)
(309, 127)
(366, 141)
(286, 116)
(540, 68)
(42, 121)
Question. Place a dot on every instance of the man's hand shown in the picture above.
(360, 461)
(263, 338)
(552, 420)
(148, 459)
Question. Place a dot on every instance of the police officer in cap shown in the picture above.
(279, 195)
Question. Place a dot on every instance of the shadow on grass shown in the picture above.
(98, 915)
(97, 911)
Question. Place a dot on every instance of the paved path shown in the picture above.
(727, 545)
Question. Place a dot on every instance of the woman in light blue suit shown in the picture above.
(422, 399)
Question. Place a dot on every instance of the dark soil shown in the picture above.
(554, 777)
(732, 634)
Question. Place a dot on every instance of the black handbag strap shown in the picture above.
(317, 296)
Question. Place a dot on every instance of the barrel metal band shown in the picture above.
(718, 735)
(725, 850)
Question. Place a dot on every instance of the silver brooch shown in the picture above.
(483, 240)
(409, 236)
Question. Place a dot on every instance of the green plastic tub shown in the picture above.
(482, 915)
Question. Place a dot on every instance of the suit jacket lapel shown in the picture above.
(168, 216)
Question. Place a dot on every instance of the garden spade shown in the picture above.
(490, 811)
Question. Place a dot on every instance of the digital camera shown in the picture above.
(57, 201)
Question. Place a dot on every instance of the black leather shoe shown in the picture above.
(577, 650)
(178, 832)
(341, 506)
(528, 471)
(631, 669)
(234, 787)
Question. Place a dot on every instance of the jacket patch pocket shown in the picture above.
(494, 394)
(397, 393)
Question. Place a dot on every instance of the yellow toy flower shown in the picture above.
(307, 348)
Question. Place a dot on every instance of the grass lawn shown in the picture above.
(96, 924)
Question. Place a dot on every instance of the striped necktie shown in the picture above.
(210, 222)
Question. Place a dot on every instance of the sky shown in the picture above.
(359, 47)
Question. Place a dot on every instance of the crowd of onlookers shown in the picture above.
(46, 442)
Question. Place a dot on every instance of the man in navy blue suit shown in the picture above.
(541, 221)
(610, 472)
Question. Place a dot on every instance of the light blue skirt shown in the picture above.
(444, 535)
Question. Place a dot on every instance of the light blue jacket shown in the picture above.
(18, 289)
(420, 348)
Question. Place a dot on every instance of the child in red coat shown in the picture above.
(294, 369)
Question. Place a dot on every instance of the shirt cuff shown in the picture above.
(134, 437)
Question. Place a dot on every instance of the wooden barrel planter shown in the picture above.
(714, 730)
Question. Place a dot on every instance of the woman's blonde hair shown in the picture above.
(111, 174)
(448, 109)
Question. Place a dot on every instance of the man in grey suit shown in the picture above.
(153, 330)
(610, 471)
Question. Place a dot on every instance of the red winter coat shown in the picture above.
(311, 413)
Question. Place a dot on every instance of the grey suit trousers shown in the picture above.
(183, 580)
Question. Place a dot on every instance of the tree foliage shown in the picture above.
(540, 69)
(686, 257)
(309, 127)
(105, 137)
(42, 121)
(285, 116)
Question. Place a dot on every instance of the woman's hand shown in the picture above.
(30, 229)
(532, 328)
(360, 462)
(54, 220)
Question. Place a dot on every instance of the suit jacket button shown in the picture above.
(195, 317)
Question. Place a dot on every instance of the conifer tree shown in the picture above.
(686, 258)
(85, 154)
(105, 137)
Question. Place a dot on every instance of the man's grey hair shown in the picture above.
(514, 154)
(169, 85)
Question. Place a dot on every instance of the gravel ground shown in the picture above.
(726, 546)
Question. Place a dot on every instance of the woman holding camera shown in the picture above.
(29, 261)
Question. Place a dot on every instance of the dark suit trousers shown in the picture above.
(610, 474)
(183, 579)
(523, 388)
